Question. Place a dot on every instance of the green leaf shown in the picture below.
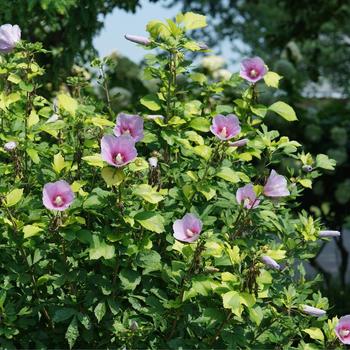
(200, 124)
(72, 332)
(207, 191)
(305, 183)
(193, 21)
(31, 230)
(112, 176)
(284, 110)
(129, 279)
(203, 151)
(272, 79)
(138, 164)
(150, 260)
(14, 197)
(150, 221)
(33, 118)
(232, 300)
(228, 175)
(94, 160)
(34, 156)
(148, 193)
(152, 102)
(314, 333)
(67, 103)
(14, 78)
(198, 77)
(324, 162)
(100, 311)
(58, 163)
(63, 314)
(256, 315)
(99, 249)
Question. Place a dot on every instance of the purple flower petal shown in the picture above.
(128, 124)
(187, 229)
(57, 195)
(342, 329)
(238, 143)
(276, 186)
(247, 196)
(225, 128)
(9, 36)
(253, 69)
(118, 151)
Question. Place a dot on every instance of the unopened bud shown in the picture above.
(313, 311)
(137, 39)
(307, 168)
(10, 146)
(153, 162)
(329, 233)
(270, 262)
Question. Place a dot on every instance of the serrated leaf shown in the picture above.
(67, 103)
(100, 311)
(58, 163)
(14, 197)
(228, 175)
(150, 221)
(148, 193)
(314, 333)
(324, 162)
(193, 20)
(272, 79)
(31, 230)
(72, 332)
(231, 300)
(112, 176)
(129, 279)
(151, 102)
(99, 249)
(94, 160)
(305, 183)
(284, 110)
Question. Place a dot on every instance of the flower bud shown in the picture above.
(155, 116)
(134, 326)
(329, 233)
(53, 118)
(270, 262)
(10, 146)
(153, 162)
(203, 46)
(238, 143)
(313, 311)
(137, 39)
(307, 168)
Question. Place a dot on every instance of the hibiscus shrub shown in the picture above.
(175, 227)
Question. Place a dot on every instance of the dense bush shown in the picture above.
(170, 230)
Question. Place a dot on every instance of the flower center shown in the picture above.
(126, 131)
(247, 201)
(190, 233)
(119, 159)
(344, 332)
(253, 73)
(58, 201)
(223, 132)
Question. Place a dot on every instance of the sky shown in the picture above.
(119, 22)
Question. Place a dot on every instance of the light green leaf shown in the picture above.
(33, 118)
(232, 301)
(112, 176)
(193, 21)
(34, 156)
(203, 151)
(324, 162)
(14, 197)
(284, 110)
(305, 183)
(314, 333)
(94, 160)
(148, 193)
(272, 79)
(31, 230)
(129, 279)
(152, 102)
(67, 103)
(200, 124)
(72, 332)
(100, 311)
(150, 221)
(58, 163)
(228, 174)
(99, 249)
